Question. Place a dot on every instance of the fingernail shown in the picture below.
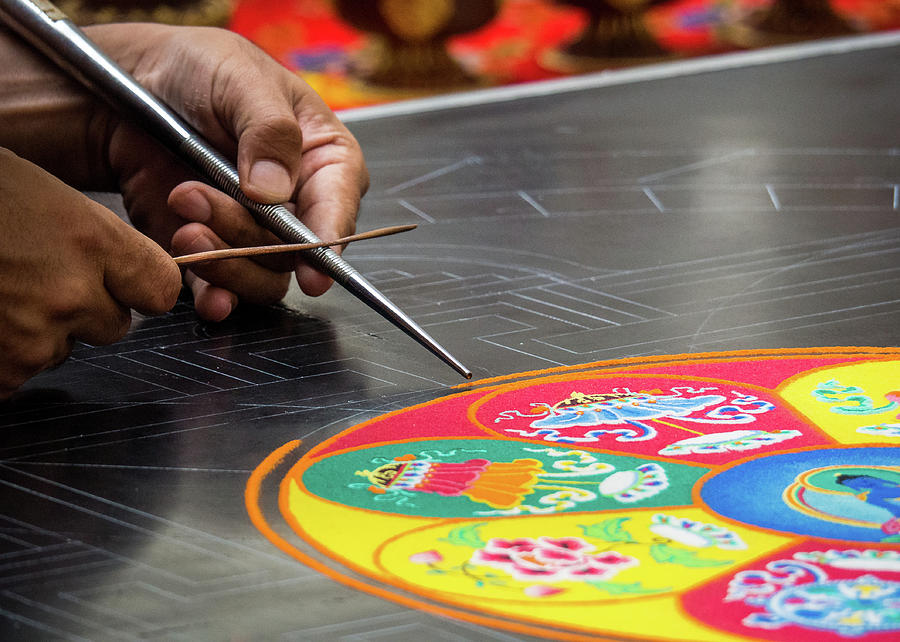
(195, 207)
(272, 179)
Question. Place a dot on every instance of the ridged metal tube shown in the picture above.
(276, 218)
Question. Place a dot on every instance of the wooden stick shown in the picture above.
(238, 252)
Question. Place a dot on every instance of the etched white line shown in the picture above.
(540, 208)
(776, 203)
(415, 210)
(449, 169)
(654, 199)
(563, 308)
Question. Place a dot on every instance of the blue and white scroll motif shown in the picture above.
(796, 592)
(628, 412)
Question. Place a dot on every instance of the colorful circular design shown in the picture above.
(712, 497)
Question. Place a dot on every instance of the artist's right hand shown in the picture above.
(287, 145)
(70, 269)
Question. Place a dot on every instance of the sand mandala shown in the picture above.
(718, 496)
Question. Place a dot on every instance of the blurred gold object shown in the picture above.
(176, 12)
(409, 48)
(786, 21)
(416, 20)
(616, 34)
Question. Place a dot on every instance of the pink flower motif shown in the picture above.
(612, 558)
(542, 590)
(891, 527)
(551, 559)
(520, 543)
(568, 543)
(426, 557)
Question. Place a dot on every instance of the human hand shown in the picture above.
(289, 148)
(70, 269)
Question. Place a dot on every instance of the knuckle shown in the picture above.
(157, 280)
(106, 328)
(190, 238)
(277, 122)
(276, 135)
(71, 300)
(34, 356)
(364, 180)
(168, 286)
(357, 163)
(8, 386)
(281, 287)
(354, 160)
(10, 381)
(168, 291)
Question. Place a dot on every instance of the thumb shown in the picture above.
(139, 274)
(270, 145)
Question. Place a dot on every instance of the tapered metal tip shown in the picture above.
(367, 292)
(291, 230)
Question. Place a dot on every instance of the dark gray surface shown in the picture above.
(751, 208)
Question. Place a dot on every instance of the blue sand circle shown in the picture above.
(752, 492)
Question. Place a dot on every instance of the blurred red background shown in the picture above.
(309, 37)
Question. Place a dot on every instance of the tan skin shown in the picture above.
(72, 270)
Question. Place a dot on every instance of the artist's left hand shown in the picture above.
(289, 148)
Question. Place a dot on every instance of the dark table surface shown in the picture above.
(753, 207)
